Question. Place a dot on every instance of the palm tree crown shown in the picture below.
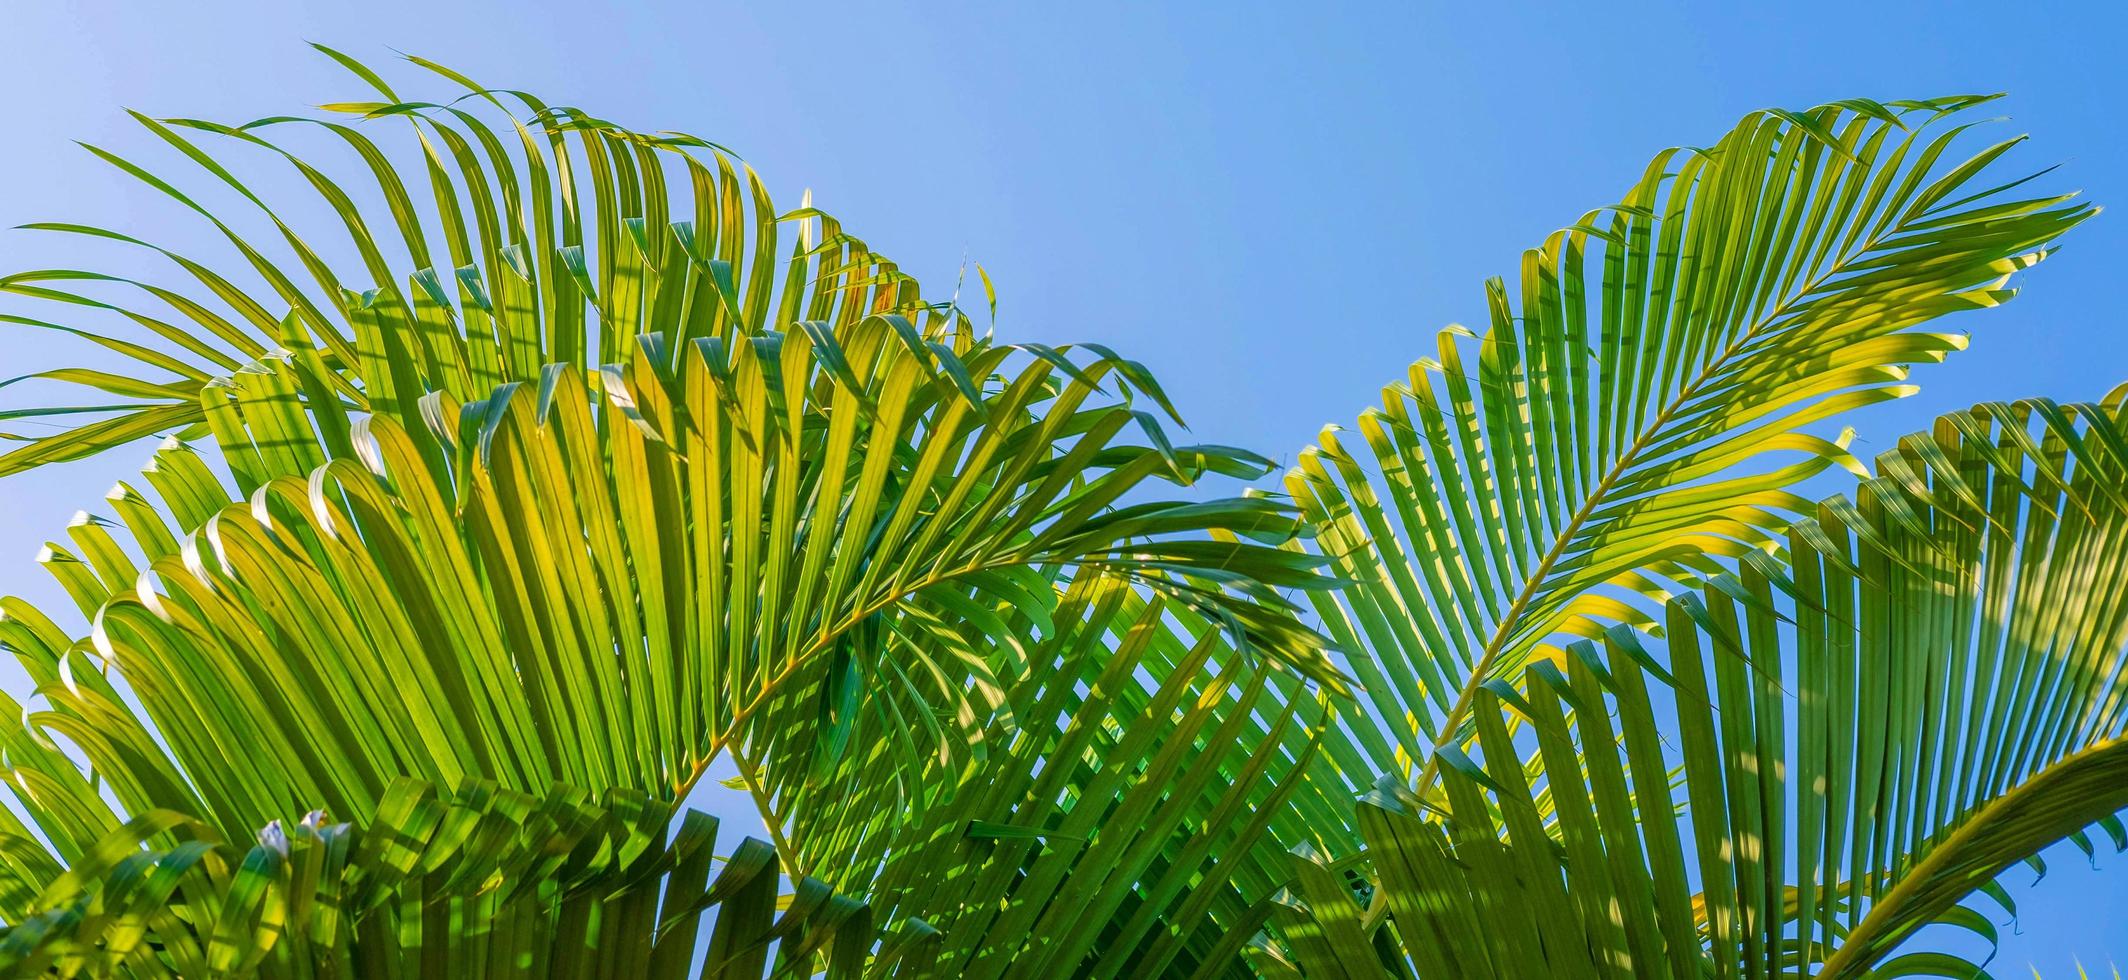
(464, 561)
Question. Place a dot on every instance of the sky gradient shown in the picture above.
(1274, 210)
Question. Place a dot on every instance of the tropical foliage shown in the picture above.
(574, 467)
(1925, 693)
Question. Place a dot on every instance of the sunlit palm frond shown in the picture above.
(587, 467)
(542, 589)
(836, 538)
(1926, 693)
(1645, 397)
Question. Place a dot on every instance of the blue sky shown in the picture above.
(1273, 208)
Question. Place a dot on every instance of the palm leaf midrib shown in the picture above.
(1510, 621)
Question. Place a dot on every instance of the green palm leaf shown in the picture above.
(479, 882)
(515, 594)
(562, 497)
(907, 579)
(1123, 821)
(1926, 693)
(1639, 408)
(667, 530)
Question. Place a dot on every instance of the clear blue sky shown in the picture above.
(1274, 209)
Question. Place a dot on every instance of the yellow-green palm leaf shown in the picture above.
(1928, 691)
(577, 526)
(1648, 390)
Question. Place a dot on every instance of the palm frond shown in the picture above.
(1927, 692)
(1645, 398)
(482, 881)
(1130, 810)
(594, 467)
(539, 590)
(910, 580)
